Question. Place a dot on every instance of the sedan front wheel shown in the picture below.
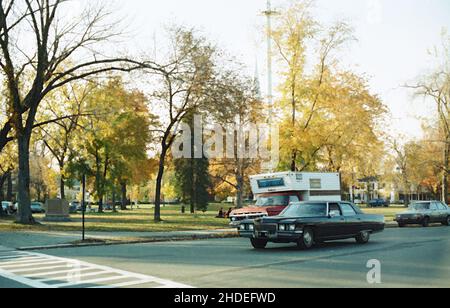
(259, 244)
(363, 237)
(307, 240)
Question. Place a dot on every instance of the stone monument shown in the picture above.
(57, 210)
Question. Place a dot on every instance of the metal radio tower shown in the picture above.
(269, 13)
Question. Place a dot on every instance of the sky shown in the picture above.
(394, 37)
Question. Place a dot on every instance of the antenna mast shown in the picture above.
(269, 13)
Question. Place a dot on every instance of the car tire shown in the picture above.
(426, 222)
(363, 237)
(259, 244)
(307, 240)
(447, 223)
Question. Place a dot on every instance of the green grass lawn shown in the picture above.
(137, 220)
(389, 213)
(141, 220)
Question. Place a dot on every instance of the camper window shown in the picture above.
(315, 183)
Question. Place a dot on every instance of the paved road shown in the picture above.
(410, 257)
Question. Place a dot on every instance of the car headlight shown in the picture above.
(242, 227)
(251, 227)
(233, 219)
(292, 227)
(282, 227)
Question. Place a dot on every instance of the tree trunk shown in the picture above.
(24, 214)
(239, 191)
(407, 193)
(124, 195)
(114, 200)
(62, 188)
(445, 172)
(2, 193)
(2, 188)
(193, 198)
(100, 204)
(9, 188)
(162, 159)
(294, 161)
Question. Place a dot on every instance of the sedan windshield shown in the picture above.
(275, 200)
(305, 210)
(420, 206)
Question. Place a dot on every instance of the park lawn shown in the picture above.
(141, 220)
(136, 220)
(389, 213)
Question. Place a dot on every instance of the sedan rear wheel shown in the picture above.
(258, 244)
(307, 240)
(363, 237)
(426, 222)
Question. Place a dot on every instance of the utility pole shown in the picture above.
(269, 13)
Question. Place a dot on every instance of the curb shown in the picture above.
(143, 241)
(101, 243)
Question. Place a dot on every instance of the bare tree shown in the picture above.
(403, 167)
(185, 82)
(61, 52)
(437, 87)
(238, 107)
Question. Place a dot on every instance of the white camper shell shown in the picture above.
(311, 186)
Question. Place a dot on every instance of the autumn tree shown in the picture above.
(294, 29)
(115, 138)
(64, 108)
(329, 117)
(304, 92)
(59, 50)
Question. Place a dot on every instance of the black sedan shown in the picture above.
(307, 223)
(424, 213)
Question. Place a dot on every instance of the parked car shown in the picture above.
(5, 207)
(308, 223)
(424, 213)
(75, 207)
(8, 207)
(37, 208)
(379, 203)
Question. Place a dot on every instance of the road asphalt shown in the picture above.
(410, 257)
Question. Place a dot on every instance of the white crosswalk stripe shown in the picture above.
(44, 271)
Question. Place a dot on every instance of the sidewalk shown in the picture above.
(45, 240)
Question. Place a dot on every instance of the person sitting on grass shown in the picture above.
(221, 214)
